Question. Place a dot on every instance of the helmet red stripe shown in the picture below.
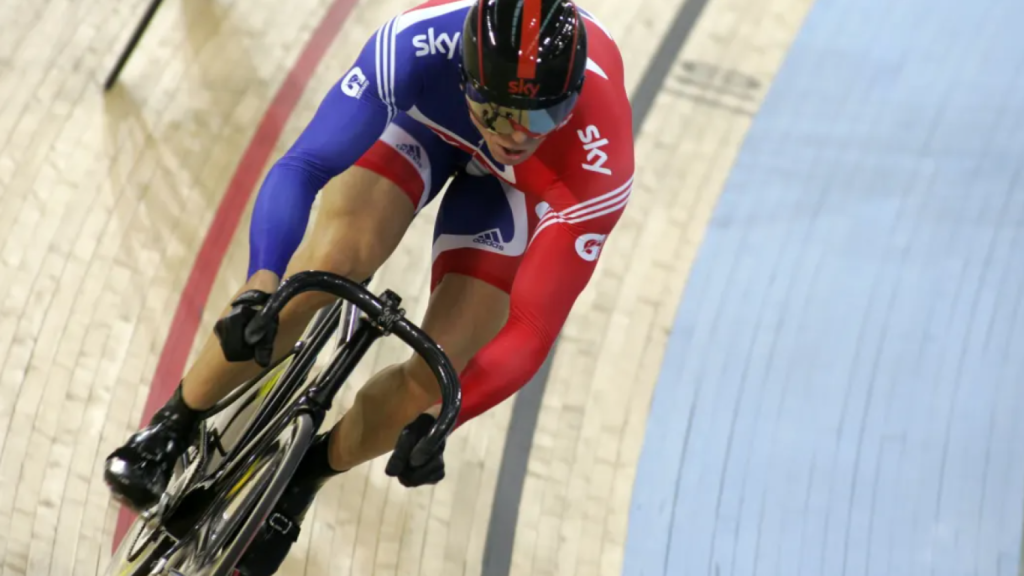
(480, 40)
(572, 55)
(529, 39)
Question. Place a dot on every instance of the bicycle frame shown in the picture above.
(385, 318)
(381, 317)
(294, 376)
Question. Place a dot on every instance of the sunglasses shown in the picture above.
(506, 121)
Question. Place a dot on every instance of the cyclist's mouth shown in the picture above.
(511, 153)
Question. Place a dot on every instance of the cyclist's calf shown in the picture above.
(464, 314)
(392, 399)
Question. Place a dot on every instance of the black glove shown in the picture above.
(400, 465)
(231, 330)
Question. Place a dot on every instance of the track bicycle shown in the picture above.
(249, 444)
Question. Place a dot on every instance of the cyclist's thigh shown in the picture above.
(365, 211)
(483, 227)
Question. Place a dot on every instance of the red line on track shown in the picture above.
(197, 289)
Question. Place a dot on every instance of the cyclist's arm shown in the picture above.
(564, 249)
(350, 118)
(555, 269)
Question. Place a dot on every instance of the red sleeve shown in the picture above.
(593, 158)
(556, 267)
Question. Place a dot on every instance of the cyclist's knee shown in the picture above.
(262, 280)
(421, 385)
(362, 218)
(342, 258)
(330, 252)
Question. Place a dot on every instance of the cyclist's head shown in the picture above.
(523, 63)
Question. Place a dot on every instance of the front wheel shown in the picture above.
(217, 543)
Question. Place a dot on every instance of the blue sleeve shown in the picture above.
(349, 120)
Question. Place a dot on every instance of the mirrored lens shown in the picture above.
(506, 121)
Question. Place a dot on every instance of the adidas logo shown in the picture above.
(412, 151)
(490, 238)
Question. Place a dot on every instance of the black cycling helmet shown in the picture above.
(524, 58)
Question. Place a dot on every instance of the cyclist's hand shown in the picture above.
(231, 330)
(400, 465)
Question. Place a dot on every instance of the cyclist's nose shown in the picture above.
(519, 137)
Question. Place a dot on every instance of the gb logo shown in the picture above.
(588, 246)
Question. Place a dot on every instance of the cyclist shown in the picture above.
(520, 107)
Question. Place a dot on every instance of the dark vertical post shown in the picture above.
(139, 29)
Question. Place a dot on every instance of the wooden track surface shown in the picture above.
(105, 200)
